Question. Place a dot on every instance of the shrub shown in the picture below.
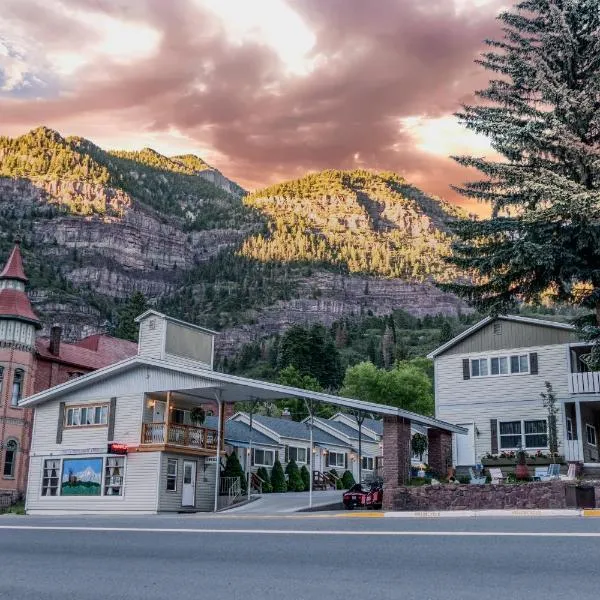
(278, 478)
(347, 480)
(338, 484)
(417, 481)
(295, 482)
(305, 477)
(463, 479)
(233, 468)
(264, 475)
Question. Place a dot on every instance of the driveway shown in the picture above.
(290, 502)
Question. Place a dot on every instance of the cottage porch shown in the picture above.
(581, 426)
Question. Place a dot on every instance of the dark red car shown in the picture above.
(359, 496)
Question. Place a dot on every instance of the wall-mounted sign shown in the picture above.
(116, 448)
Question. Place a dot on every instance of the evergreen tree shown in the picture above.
(305, 477)
(233, 468)
(264, 475)
(348, 480)
(127, 328)
(278, 478)
(542, 114)
(295, 481)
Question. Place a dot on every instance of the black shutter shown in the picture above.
(346, 461)
(466, 369)
(252, 457)
(111, 419)
(61, 422)
(494, 433)
(533, 363)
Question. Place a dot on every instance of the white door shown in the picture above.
(465, 446)
(158, 415)
(188, 493)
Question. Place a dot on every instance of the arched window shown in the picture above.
(1, 379)
(17, 387)
(10, 458)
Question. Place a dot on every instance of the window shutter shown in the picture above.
(466, 369)
(61, 423)
(533, 363)
(111, 419)
(345, 461)
(327, 460)
(286, 454)
(252, 457)
(494, 432)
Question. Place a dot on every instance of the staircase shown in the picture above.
(324, 481)
(230, 491)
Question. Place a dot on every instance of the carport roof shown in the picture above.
(232, 387)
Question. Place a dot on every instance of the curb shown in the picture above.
(491, 513)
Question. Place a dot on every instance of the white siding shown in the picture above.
(128, 419)
(140, 493)
(152, 336)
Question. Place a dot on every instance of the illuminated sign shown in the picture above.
(115, 448)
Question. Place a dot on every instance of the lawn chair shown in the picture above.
(548, 473)
(474, 479)
(571, 473)
(540, 473)
(496, 475)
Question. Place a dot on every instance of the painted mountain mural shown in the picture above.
(99, 225)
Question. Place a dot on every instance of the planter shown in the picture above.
(521, 471)
(511, 462)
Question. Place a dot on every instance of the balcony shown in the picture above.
(587, 382)
(181, 436)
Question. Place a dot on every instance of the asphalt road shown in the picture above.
(301, 557)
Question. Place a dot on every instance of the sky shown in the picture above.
(265, 90)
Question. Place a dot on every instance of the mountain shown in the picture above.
(98, 225)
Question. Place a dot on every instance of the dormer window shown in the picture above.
(17, 387)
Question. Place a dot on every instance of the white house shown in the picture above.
(124, 439)
(489, 379)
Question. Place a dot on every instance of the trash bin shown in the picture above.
(580, 496)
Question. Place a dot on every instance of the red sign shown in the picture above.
(115, 448)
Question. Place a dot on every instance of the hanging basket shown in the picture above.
(197, 415)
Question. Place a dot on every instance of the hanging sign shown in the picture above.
(116, 448)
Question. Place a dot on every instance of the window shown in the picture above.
(172, 475)
(367, 463)
(570, 430)
(297, 454)
(10, 458)
(51, 477)
(497, 327)
(86, 416)
(510, 434)
(479, 367)
(336, 459)
(17, 387)
(519, 364)
(1, 379)
(113, 475)
(263, 458)
(499, 365)
(590, 434)
(523, 434)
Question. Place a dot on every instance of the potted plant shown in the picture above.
(521, 470)
(197, 415)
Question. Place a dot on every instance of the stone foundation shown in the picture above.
(538, 495)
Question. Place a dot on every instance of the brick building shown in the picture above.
(30, 363)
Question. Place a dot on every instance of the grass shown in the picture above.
(15, 509)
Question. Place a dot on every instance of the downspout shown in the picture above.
(218, 464)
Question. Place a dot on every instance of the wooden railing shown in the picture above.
(323, 481)
(189, 436)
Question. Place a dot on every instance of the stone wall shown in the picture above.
(535, 495)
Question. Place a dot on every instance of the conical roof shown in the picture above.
(13, 269)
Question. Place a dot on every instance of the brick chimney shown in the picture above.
(55, 335)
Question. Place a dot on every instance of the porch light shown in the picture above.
(315, 450)
(151, 403)
(352, 456)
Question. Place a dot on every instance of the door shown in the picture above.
(188, 493)
(158, 414)
(465, 446)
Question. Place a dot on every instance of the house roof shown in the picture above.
(13, 269)
(238, 433)
(287, 428)
(151, 311)
(232, 387)
(346, 430)
(480, 324)
(375, 425)
(92, 352)
(14, 304)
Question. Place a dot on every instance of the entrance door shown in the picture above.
(465, 446)
(158, 414)
(188, 494)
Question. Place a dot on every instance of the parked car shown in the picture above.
(359, 496)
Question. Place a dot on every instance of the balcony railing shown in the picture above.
(584, 383)
(188, 436)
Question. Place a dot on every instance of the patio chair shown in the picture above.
(474, 479)
(496, 475)
(539, 473)
(548, 473)
(571, 473)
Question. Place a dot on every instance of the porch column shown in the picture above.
(218, 450)
(396, 457)
(580, 432)
(439, 450)
(167, 418)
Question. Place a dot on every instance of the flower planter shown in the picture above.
(511, 462)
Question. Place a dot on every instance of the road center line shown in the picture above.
(544, 534)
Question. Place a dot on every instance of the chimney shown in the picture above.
(55, 334)
(285, 414)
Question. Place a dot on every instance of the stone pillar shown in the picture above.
(439, 450)
(396, 457)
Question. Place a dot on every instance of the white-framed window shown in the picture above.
(51, 477)
(297, 454)
(367, 463)
(114, 473)
(570, 429)
(17, 387)
(263, 458)
(336, 459)
(526, 434)
(1, 378)
(86, 416)
(590, 435)
(10, 459)
(500, 365)
(172, 474)
(479, 367)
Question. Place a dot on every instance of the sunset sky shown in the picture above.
(265, 90)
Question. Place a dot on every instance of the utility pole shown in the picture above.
(253, 403)
(310, 408)
(359, 415)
